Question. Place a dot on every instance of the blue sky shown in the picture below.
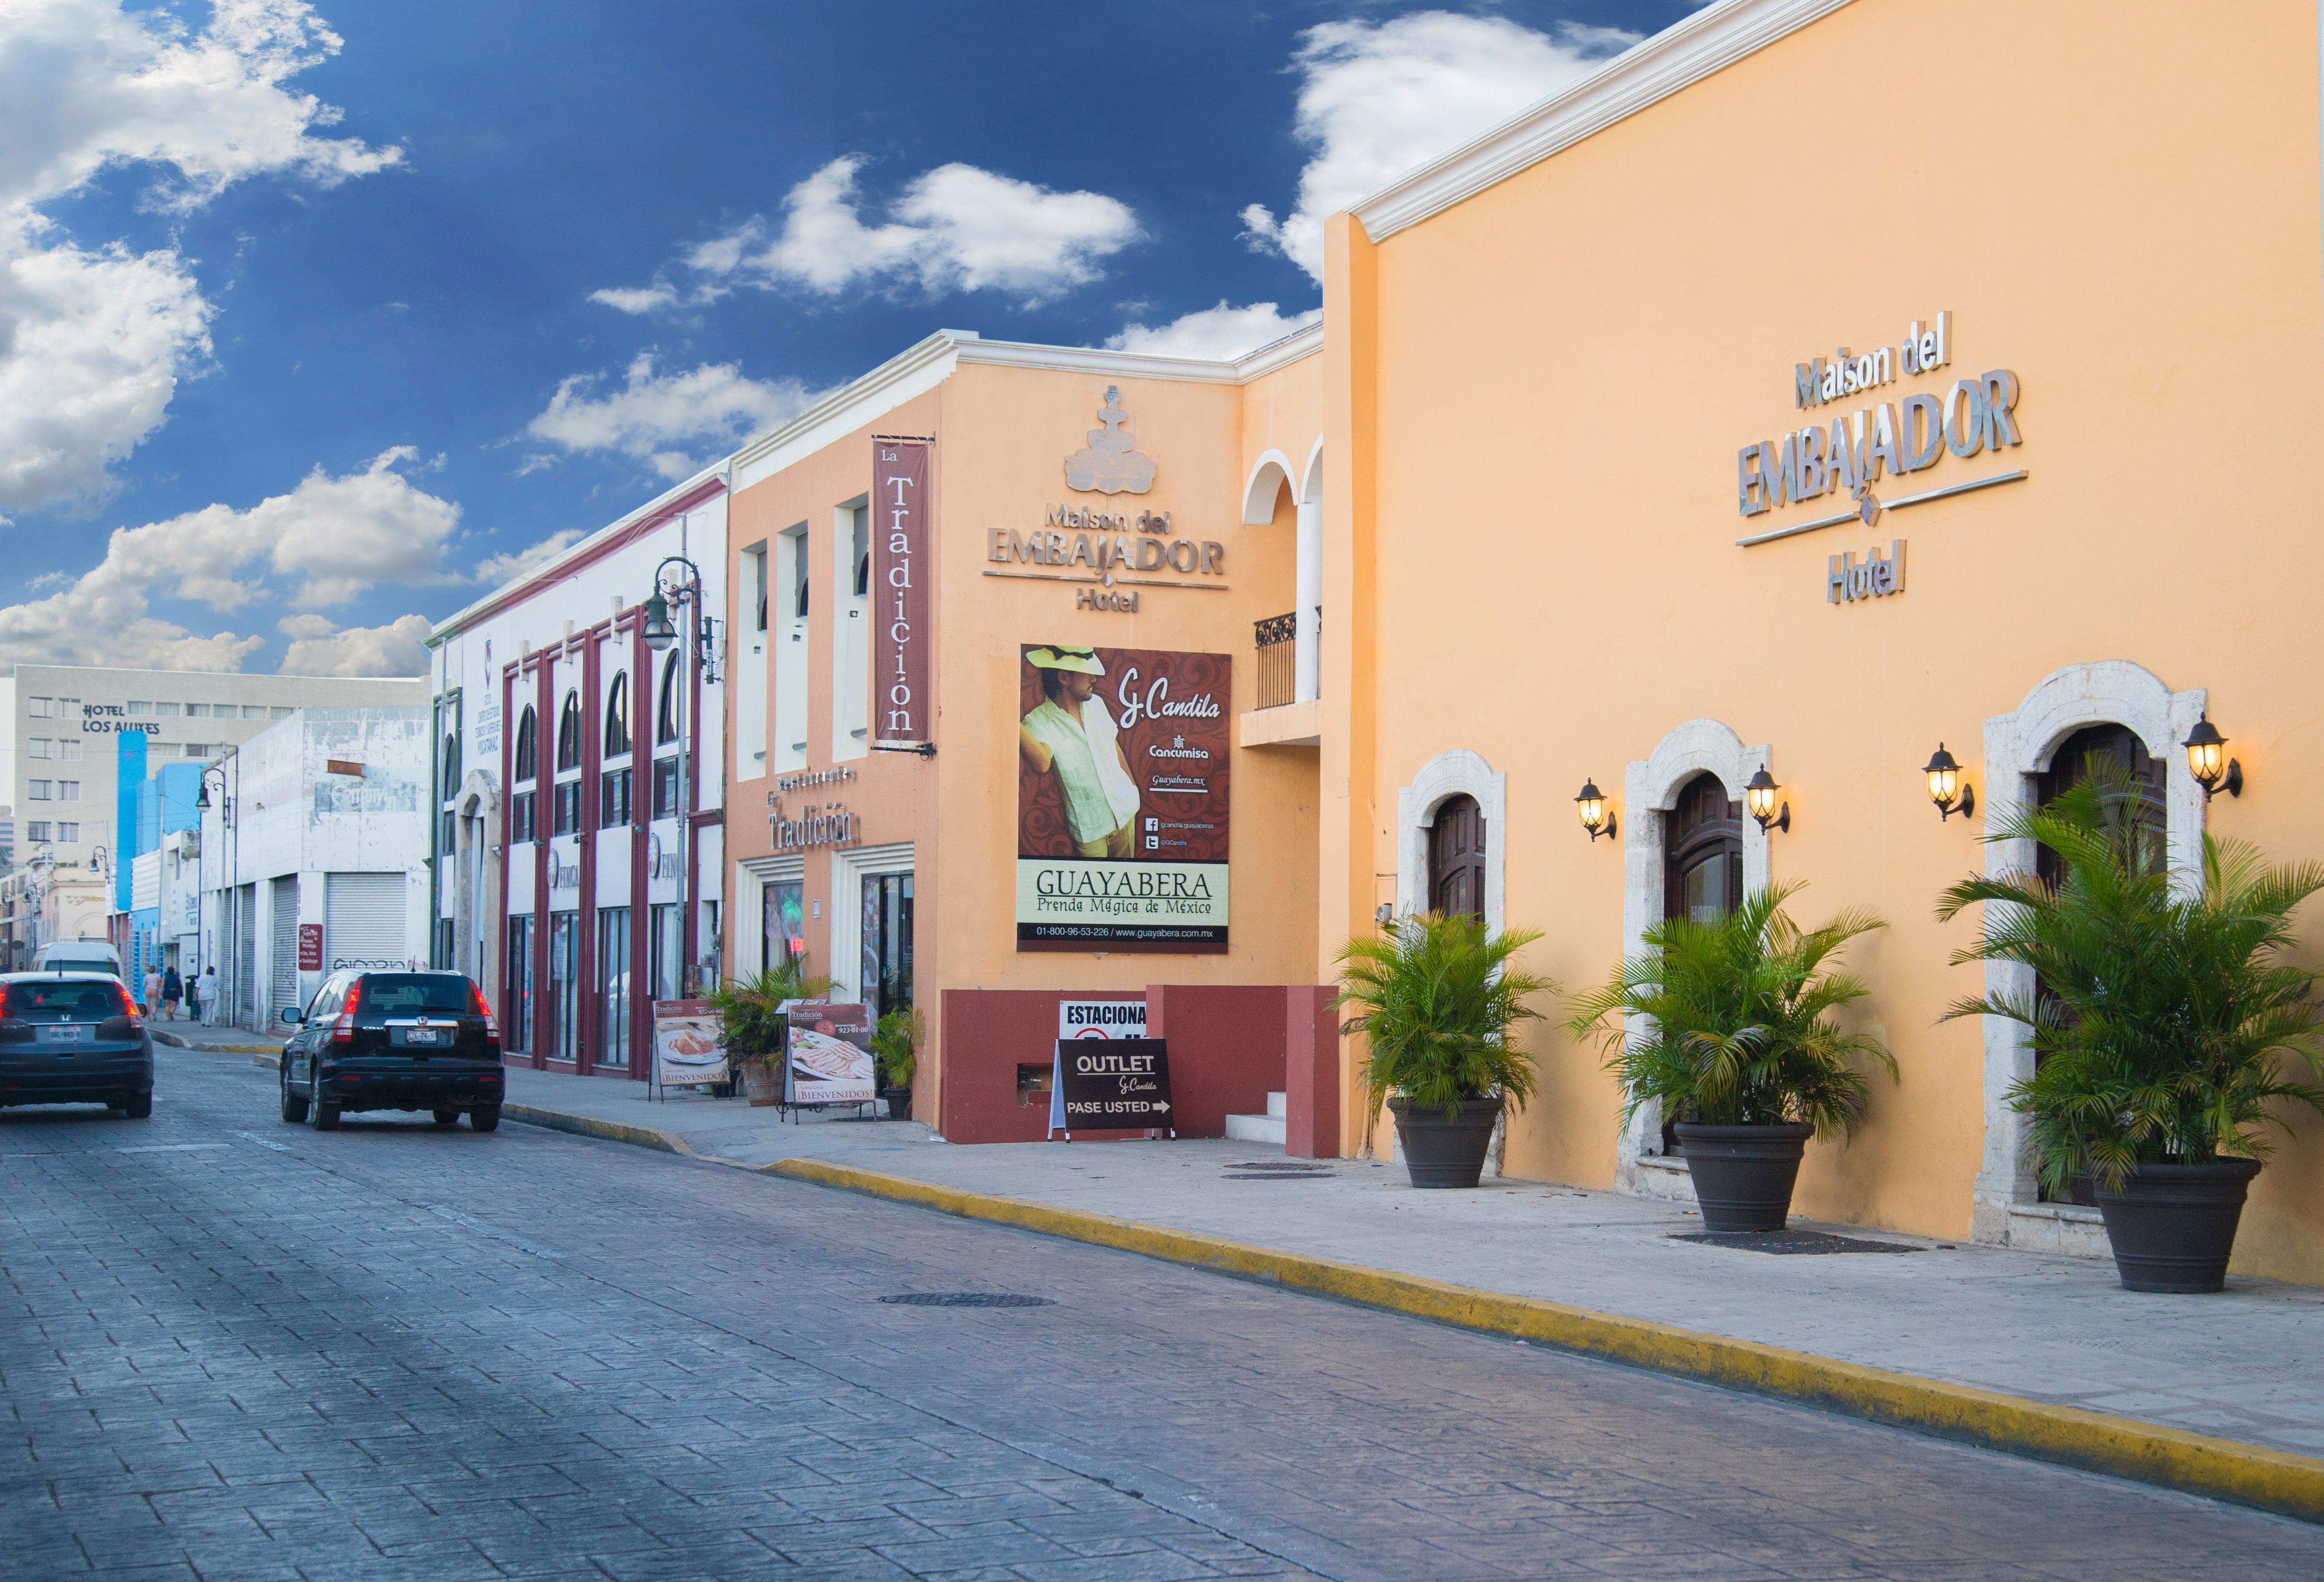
(317, 319)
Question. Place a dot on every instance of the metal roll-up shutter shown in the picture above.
(245, 955)
(363, 920)
(283, 962)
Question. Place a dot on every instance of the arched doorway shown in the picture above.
(1456, 859)
(1702, 867)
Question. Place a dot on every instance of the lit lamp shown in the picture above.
(2206, 756)
(1945, 785)
(1595, 817)
(1759, 802)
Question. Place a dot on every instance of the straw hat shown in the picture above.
(1058, 657)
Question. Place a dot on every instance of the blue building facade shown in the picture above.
(149, 809)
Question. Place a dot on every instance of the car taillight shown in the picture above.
(129, 1008)
(343, 1026)
(475, 994)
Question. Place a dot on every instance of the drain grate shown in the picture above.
(1791, 1241)
(967, 1299)
(1285, 1166)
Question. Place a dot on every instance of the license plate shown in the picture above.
(421, 1035)
(64, 1033)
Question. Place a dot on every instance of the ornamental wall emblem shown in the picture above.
(1110, 463)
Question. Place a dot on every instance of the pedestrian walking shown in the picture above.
(206, 986)
(174, 989)
(153, 991)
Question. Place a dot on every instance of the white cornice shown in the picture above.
(1290, 348)
(1275, 354)
(1710, 40)
(918, 367)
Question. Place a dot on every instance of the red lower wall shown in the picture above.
(1228, 1047)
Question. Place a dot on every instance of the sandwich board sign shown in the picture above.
(1111, 1084)
(1089, 1018)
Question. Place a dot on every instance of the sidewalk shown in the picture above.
(2242, 1366)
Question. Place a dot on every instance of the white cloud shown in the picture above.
(320, 649)
(508, 567)
(93, 339)
(954, 228)
(666, 419)
(1377, 99)
(328, 538)
(1219, 333)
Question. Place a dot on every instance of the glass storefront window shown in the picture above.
(886, 981)
(613, 986)
(785, 923)
(516, 1037)
(564, 993)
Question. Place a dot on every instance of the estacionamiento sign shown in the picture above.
(1121, 799)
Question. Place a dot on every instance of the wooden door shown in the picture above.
(1456, 860)
(1703, 852)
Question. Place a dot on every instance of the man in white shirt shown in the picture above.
(1071, 734)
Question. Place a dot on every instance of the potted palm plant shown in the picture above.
(1737, 1041)
(750, 1010)
(2161, 1020)
(895, 1045)
(1436, 997)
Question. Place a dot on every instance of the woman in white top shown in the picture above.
(1071, 734)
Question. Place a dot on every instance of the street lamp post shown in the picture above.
(678, 581)
(201, 861)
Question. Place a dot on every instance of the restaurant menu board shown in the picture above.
(1108, 1084)
(1121, 799)
(690, 1044)
(830, 1057)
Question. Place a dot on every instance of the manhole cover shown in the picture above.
(1791, 1241)
(967, 1299)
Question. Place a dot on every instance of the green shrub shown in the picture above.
(895, 1043)
(1436, 997)
(748, 1009)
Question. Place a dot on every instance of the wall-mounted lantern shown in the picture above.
(1945, 786)
(1596, 817)
(2206, 756)
(1759, 802)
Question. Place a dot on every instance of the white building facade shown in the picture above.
(312, 855)
(578, 806)
(67, 717)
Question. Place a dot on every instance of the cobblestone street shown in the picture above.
(236, 1349)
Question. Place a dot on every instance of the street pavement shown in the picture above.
(232, 1348)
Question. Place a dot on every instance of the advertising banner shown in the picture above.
(311, 947)
(830, 1060)
(1111, 1083)
(902, 703)
(1121, 799)
(690, 1044)
(1101, 1018)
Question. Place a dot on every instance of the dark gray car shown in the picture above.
(74, 1038)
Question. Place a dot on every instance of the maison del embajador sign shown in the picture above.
(1878, 441)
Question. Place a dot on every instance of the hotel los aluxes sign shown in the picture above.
(1108, 553)
(1876, 446)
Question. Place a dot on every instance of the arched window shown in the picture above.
(568, 732)
(617, 717)
(451, 766)
(1703, 852)
(1456, 859)
(668, 715)
(528, 754)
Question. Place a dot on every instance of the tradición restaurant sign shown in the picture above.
(899, 626)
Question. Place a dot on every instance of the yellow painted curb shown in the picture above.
(589, 1126)
(2199, 1464)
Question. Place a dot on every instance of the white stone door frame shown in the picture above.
(2018, 747)
(1456, 773)
(1650, 789)
(752, 878)
(849, 867)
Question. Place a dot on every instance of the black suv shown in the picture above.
(73, 1039)
(393, 1041)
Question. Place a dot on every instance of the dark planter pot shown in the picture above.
(1442, 1153)
(1743, 1175)
(899, 1102)
(2172, 1226)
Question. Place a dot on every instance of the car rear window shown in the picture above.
(416, 992)
(64, 999)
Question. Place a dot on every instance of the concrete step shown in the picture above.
(1275, 1103)
(1258, 1129)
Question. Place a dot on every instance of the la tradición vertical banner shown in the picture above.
(1121, 799)
(901, 705)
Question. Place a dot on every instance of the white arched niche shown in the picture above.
(1457, 773)
(1650, 789)
(1270, 477)
(2019, 747)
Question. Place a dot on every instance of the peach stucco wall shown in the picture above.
(1536, 398)
(1003, 436)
